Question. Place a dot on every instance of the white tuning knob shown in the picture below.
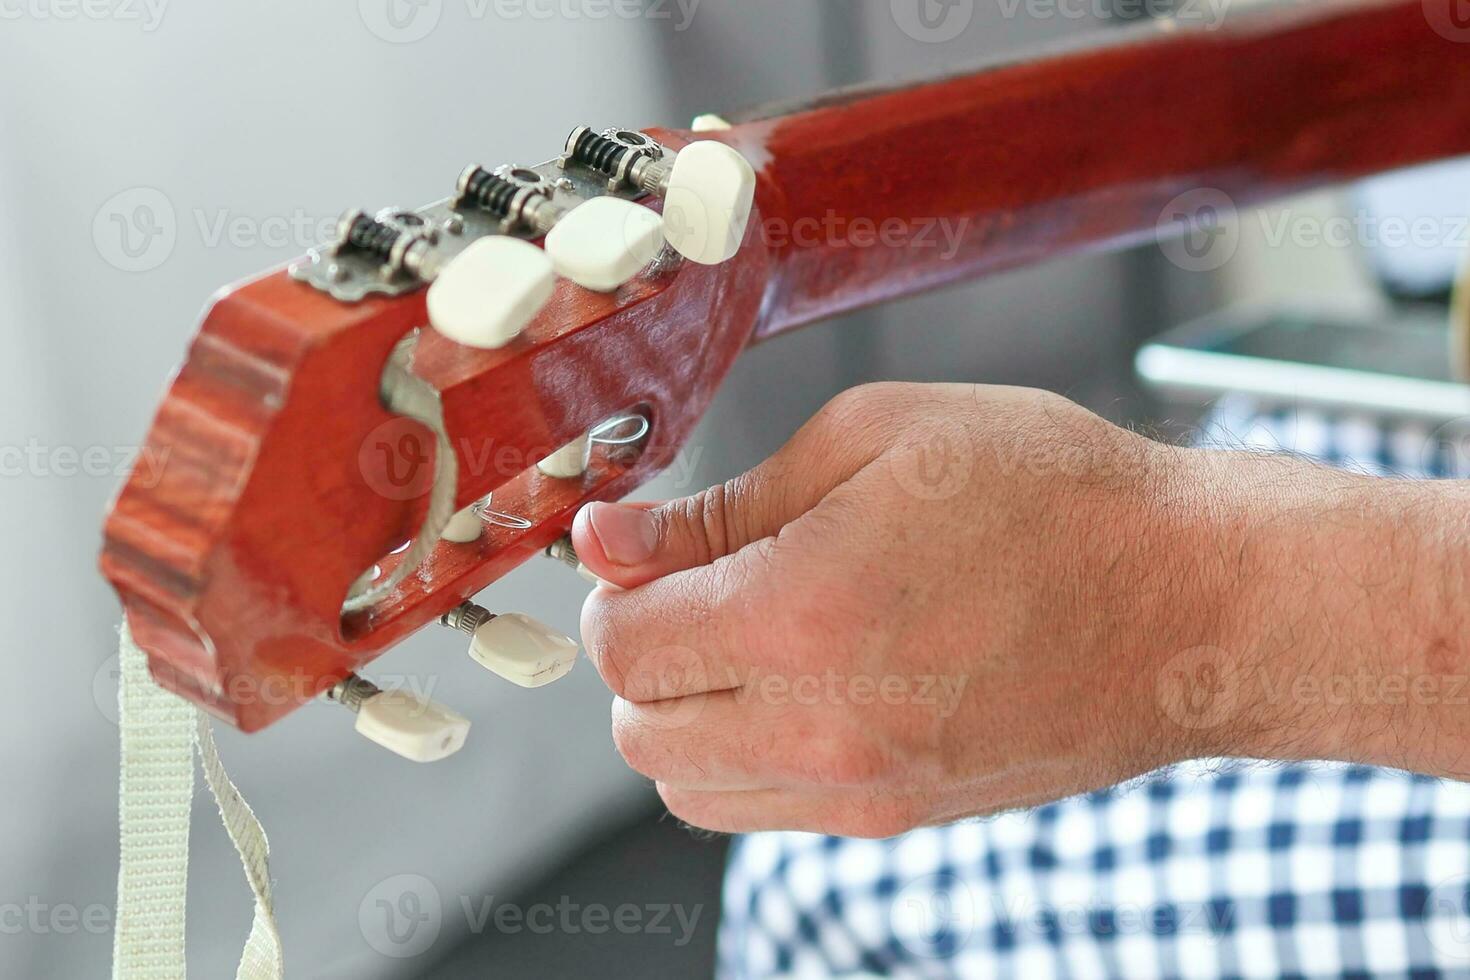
(518, 648)
(605, 242)
(402, 722)
(707, 205)
(523, 651)
(464, 527)
(488, 293)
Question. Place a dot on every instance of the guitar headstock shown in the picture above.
(358, 444)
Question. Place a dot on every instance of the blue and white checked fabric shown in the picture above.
(1212, 869)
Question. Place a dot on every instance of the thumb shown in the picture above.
(630, 544)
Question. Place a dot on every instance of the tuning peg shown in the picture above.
(709, 122)
(487, 294)
(708, 188)
(707, 204)
(464, 527)
(400, 721)
(605, 242)
(518, 648)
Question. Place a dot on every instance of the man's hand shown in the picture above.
(938, 601)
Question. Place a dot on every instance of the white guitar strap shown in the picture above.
(159, 735)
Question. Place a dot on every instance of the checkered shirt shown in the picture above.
(1210, 869)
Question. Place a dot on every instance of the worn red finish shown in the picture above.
(285, 478)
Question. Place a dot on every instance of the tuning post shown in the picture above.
(561, 551)
(620, 155)
(520, 649)
(401, 242)
(518, 196)
(570, 461)
(465, 526)
(708, 188)
(400, 721)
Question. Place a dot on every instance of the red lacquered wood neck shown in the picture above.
(876, 195)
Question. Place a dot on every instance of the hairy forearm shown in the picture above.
(1346, 617)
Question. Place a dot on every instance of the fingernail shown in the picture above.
(627, 534)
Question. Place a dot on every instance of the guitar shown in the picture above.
(360, 443)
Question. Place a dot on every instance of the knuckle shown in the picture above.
(869, 404)
(880, 817)
(710, 518)
(839, 762)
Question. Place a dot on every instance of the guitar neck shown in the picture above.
(869, 195)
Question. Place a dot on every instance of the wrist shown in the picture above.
(1345, 613)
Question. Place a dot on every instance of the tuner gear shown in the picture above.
(562, 551)
(517, 195)
(614, 153)
(400, 721)
(401, 242)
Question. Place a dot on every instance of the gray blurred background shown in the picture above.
(153, 152)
